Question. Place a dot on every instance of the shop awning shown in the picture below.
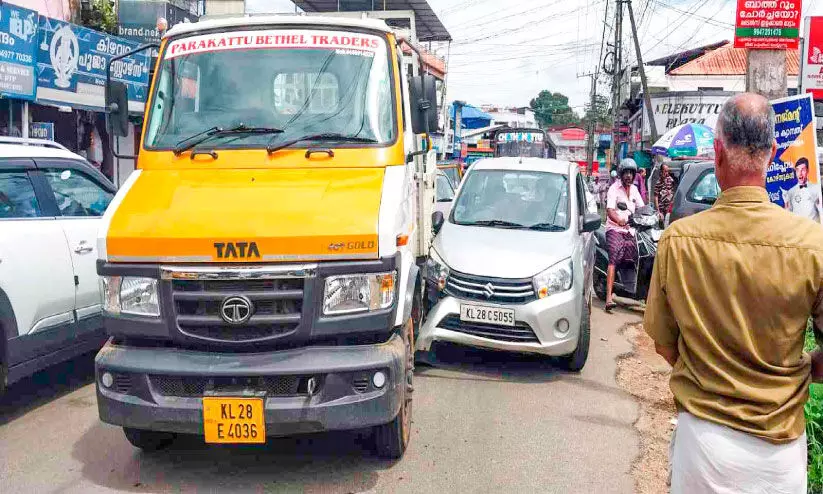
(428, 25)
(472, 117)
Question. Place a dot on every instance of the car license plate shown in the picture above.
(487, 315)
(234, 420)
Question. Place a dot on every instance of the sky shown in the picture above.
(505, 55)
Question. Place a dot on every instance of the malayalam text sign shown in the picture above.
(812, 59)
(767, 24)
(793, 178)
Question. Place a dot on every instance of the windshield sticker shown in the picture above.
(343, 42)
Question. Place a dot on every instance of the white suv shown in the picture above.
(51, 204)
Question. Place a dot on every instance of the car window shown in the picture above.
(17, 198)
(443, 189)
(76, 194)
(705, 190)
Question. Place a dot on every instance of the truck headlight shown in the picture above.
(350, 294)
(130, 295)
(436, 270)
(556, 279)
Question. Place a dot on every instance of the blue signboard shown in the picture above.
(71, 66)
(42, 130)
(18, 44)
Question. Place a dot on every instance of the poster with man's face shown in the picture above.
(793, 178)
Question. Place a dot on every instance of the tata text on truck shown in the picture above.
(260, 268)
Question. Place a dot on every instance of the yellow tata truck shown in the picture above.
(261, 268)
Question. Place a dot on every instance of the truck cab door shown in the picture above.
(81, 200)
(35, 268)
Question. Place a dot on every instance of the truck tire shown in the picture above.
(575, 361)
(392, 439)
(149, 440)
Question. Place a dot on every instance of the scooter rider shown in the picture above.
(619, 235)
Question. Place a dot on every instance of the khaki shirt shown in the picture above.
(733, 288)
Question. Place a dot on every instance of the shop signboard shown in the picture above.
(18, 44)
(767, 24)
(42, 130)
(679, 108)
(793, 178)
(812, 59)
(71, 66)
(138, 18)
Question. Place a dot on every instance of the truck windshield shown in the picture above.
(305, 82)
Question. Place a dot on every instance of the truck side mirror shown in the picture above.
(591, 222)
(117, 106)
(423, 94)
(437, 221)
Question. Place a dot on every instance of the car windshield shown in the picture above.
(513, 199)
(305, 82)
(443, 189)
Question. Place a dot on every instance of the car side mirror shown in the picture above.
(591, 222)
(117, 105)
(437, 221)
(423, 95)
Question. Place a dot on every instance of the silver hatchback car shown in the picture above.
(511, 267)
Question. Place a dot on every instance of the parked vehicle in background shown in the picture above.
(444, 193)
(511, 267)
(454, 172)
(523, 142)
(51, 204)
(698, 190)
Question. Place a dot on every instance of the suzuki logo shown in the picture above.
(489, 289)
(236, 310)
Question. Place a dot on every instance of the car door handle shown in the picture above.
(83, 248)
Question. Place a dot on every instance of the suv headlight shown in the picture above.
(350, 294)
(556, 279)
(436, 270)
(130, 295)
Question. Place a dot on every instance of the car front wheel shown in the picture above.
(575, 361)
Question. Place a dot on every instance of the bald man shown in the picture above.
(731, 292)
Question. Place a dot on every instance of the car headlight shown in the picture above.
(350, 294)
(556, 279)
(130, 295)
(436, 270)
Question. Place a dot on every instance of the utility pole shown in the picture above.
(591, 125)
(618, 68)
(766, 73)
(647, 99)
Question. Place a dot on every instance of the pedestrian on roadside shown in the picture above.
(640, 183)
(732, 290)
(664, 192)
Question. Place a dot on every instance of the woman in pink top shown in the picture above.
(619, 235)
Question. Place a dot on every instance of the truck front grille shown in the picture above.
(276, 312)
(498, 290)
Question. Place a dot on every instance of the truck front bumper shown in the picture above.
(161, 388)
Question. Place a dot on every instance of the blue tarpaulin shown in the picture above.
(472, 117)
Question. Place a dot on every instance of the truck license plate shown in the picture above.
(234, 420)
(487, 315)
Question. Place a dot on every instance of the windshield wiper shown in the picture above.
(497, 223)
(328, 136)
(547, 227)
(207, 134)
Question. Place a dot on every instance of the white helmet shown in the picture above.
(627, 164)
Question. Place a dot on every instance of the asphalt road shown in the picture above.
(483, 422)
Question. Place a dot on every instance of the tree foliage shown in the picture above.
(100, 16)
(600, 113)
(553, 109)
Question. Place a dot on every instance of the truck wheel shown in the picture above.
(149, 440)
(392, 439)
(599, 281)
(576, 360)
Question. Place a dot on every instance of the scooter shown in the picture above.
(631, 280)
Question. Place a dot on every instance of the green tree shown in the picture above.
(100, 16)
(601, 113)
(553, 109)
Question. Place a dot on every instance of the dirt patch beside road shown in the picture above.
(645, 375)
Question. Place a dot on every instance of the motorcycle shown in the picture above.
(630, 280)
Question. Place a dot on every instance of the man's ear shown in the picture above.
(774, 151)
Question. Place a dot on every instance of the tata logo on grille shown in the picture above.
(236, 310)
(489, 290)
(236, 250)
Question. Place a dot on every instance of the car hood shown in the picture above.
(501, 253)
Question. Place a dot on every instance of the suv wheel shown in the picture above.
(392, 439)
(576, 360)
(149, 440)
